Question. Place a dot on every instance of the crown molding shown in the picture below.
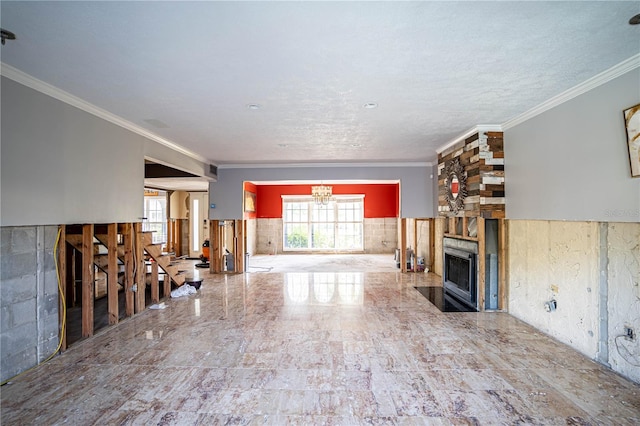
(590, 84)
(323, 165)
(472, 131)
(59, 94)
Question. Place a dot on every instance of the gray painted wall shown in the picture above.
(62, 165)
(416, 190)
(572, 163)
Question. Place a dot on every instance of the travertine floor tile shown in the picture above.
(335, 349)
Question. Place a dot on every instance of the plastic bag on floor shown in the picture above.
(185, 290)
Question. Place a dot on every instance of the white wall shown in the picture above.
(416, 189)
(572, 162)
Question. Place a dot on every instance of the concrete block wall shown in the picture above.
(592, 270)
(380, 235)
(28, 297)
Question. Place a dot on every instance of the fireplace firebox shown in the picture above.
(460, 276)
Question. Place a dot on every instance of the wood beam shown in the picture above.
(215, 247)
(87, 280)
(62, 279)
(155, 289)
(503, 268)
(141, 269)
(403, 244)
(432, 244)
(112, 277)
(481, 264)
(128, 269)
(240, 247)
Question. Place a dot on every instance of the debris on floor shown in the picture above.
(185, 290)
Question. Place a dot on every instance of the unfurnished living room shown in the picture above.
(320, 213)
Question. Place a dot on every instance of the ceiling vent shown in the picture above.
(213, 170)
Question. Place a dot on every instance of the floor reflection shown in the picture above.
(324, 288)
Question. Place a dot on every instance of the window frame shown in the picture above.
(332, 220)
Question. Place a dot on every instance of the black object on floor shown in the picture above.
(443, 301)
(194, 282)
(202, 265)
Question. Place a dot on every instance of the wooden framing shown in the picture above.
(62, 279)
(403, 244)
(503, 259)
(112, 277)
(141, 267)
(238, 229)
(215, 247)
(155, 288)
(481, 264)
(128, 269)
(87, 280)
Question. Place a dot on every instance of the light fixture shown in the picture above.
(370, 105)
(321, 194)
(254, 106)
(6, 35)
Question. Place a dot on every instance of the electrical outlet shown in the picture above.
(629, 334)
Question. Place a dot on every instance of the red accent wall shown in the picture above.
(250, 187)
(380, 200)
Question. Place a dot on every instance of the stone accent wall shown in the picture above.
(482, 156)
(29, 297)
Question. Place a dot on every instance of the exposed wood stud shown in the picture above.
(112, 277)
(403, 244)
(62, 277)
(128, 271)
(481, 264)
(155, 289)
(141, 269)
(87, 280)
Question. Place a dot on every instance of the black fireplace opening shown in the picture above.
(460, 274)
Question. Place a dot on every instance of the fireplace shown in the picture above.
(460, 275)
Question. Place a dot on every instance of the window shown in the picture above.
(155, 213)
(337, 225)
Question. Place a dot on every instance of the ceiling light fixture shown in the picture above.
(6, 35)
(635, 20)
(321, 194)
(254, 106)
(370, 105)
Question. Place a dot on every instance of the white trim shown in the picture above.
(590, 84)
(476, 129)
(323, 165)
(59, 94)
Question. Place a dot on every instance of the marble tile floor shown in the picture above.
(319, 348)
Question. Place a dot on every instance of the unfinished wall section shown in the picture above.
(269, 236)
(29, 297)
(623, 290)
(592, 271)
(380, 235)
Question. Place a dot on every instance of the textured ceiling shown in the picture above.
(186, 71)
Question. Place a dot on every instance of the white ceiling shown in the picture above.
(186, 71)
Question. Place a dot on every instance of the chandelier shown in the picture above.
(321, 194)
